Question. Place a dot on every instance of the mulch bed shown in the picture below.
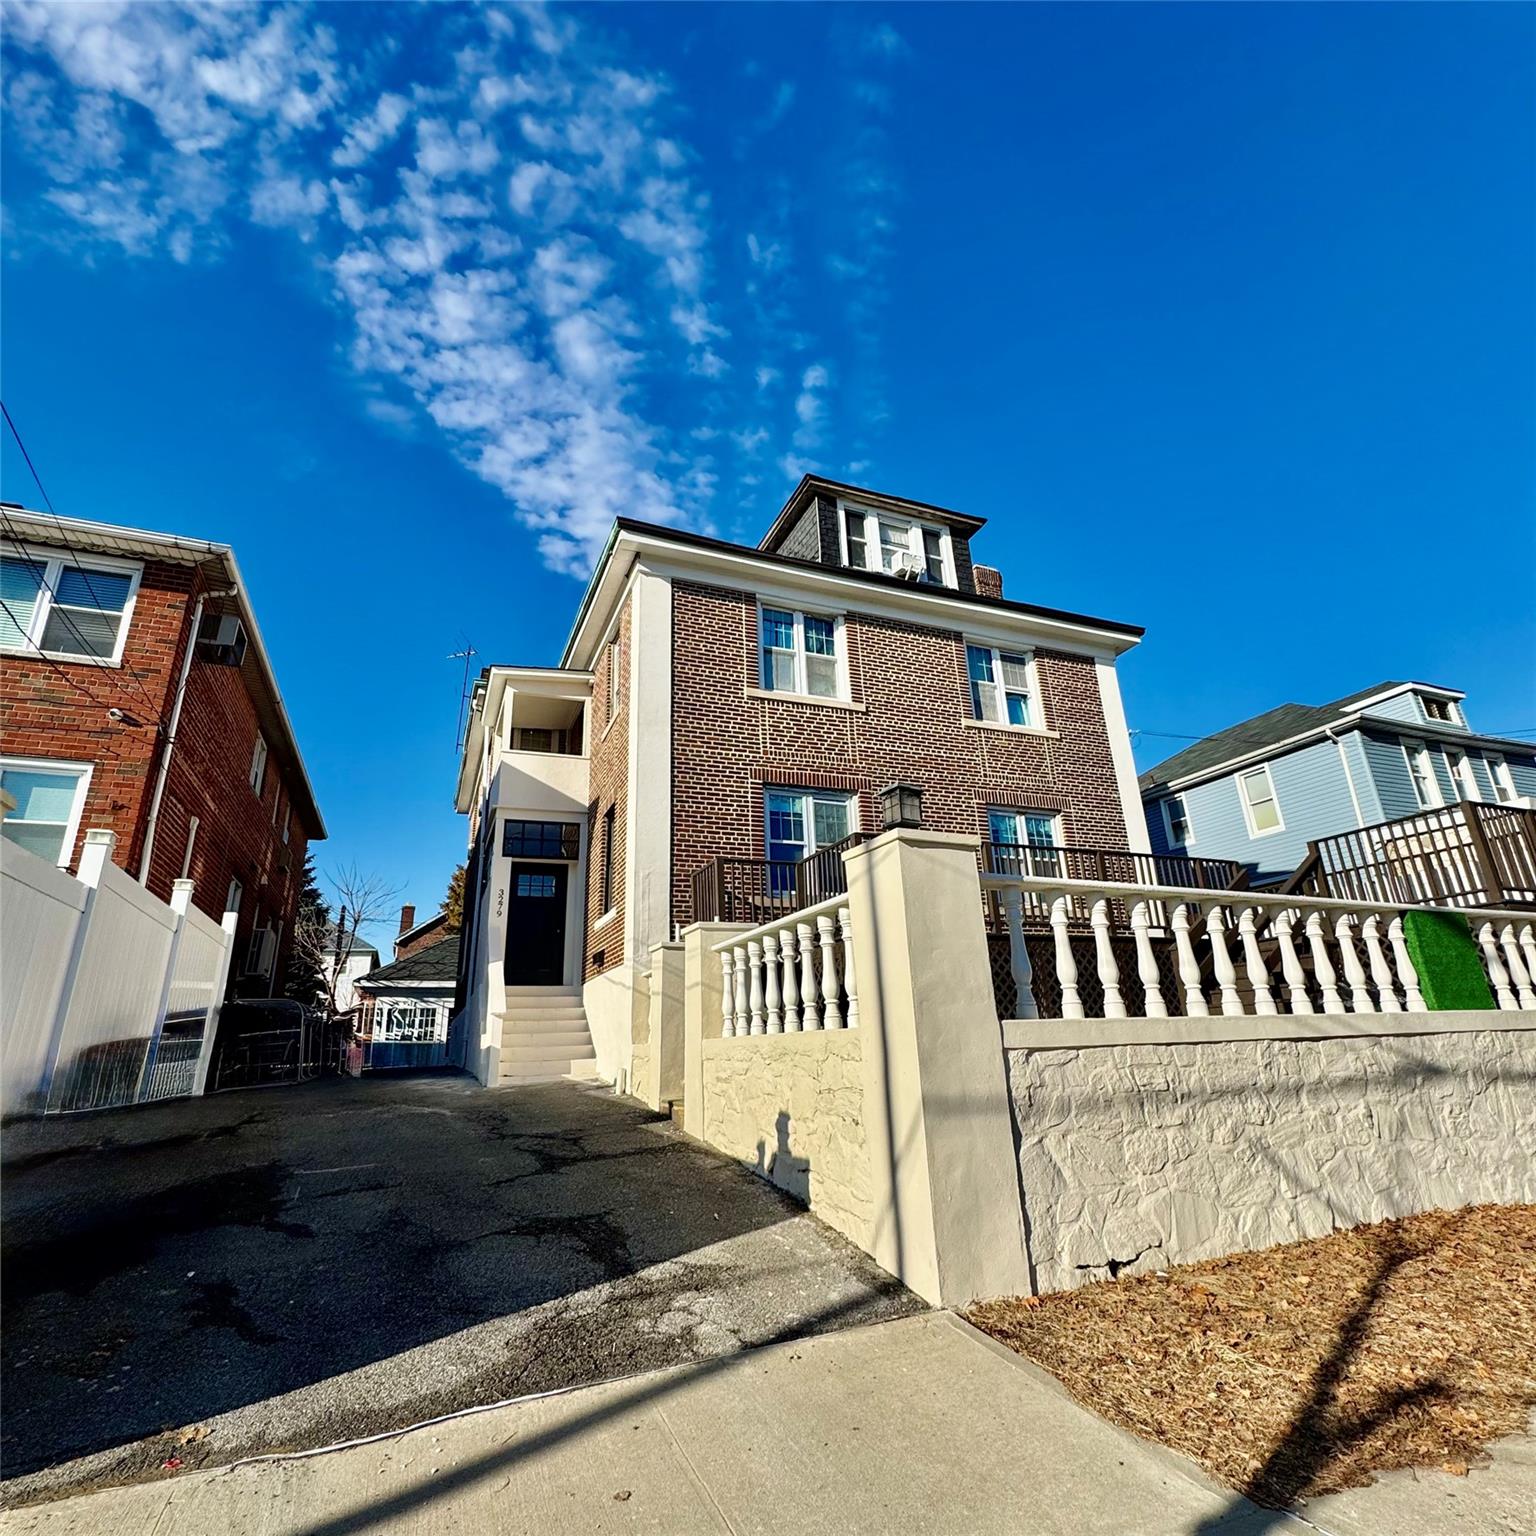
(1312, 1366)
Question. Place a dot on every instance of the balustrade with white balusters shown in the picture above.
(793, 974)
(1332, 956)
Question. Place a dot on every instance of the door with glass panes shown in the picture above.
(1024, 843)
(802, 822)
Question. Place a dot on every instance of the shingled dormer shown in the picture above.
(845, 525)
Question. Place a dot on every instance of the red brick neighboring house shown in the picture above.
(136, 695)
(719, 701)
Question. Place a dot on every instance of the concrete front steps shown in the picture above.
(544, 1035)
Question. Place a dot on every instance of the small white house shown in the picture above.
(361, 957)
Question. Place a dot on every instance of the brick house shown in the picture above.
(718, 702)
(136, 695)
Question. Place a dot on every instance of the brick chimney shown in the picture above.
(407, 919)
(989, 580)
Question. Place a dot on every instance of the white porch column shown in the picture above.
(938, 1123)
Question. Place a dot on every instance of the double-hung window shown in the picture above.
(1176, 820)
(1260, 806)
(1421, 769)
(1025, 842)
(49, 798)
(1463, 778)
(74, 609)
(615, 678)
(801, 653)
(804, 821)
(1503, 780)
(1001, 686)
(881, 541)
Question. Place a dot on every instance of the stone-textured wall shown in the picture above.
(1135, 1157)
(791, 1105)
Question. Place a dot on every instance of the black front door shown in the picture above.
(536, 925)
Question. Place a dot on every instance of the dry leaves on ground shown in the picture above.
(1312, 1366)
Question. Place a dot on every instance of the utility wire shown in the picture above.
(125, 664)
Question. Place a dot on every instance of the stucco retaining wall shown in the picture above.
(1137, 1155)
(791, 1106)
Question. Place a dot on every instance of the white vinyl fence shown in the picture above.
(109, 996)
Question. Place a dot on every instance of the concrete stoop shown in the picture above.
(544, 1036)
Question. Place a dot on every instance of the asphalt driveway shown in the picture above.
(190, 1283)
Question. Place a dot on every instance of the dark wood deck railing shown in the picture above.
(756, 890)
(1466, 855)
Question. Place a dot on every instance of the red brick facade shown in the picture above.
(58, 710)
(911, 721)
(608, 789)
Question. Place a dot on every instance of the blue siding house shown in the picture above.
(1260, 791)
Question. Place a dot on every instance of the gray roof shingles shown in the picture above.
(1274, 725)
(437, 962)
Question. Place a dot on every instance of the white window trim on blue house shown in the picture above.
(1422, 775)
(1174, 840)
(1254, 830)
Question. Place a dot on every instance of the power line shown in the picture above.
(125, 664)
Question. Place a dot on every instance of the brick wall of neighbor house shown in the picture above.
(608, 758)
(240, 834)
(423, 940)
(912, 681)
(45, 713)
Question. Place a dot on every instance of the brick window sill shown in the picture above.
(803, 698)
(1010, 730)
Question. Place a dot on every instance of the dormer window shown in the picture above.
(1440, 709)
(898, 546)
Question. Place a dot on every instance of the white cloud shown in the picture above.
(369, 134)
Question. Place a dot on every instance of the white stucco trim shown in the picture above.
(648, 824)
(1136, 836)
(1089, 1034)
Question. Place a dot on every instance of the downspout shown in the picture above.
(163, 772)
(1349, 778)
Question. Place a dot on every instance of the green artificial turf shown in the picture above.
(1446, 956)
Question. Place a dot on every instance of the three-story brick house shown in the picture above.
(717, 701)
(136, 695)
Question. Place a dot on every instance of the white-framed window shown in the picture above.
(800, 822)
(1002, 685)
(1503, 780)
(801, 653)
(614, 658)
(1256, 789)
(886, 541)
(259, 763)
(410, 1023)
(1439, 709)
(261, 952)
(68, 608)
(1176, 822)
(287, 821)
(1024, 842)
(233, 896)
(1462, 774)
(50, 797)
(1421, 769)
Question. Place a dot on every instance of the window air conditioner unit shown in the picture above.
(221, 639)
(906, 565)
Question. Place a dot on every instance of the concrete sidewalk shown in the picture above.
(914, 1425)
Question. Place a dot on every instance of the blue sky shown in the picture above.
(1223, 315)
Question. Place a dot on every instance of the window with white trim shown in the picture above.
(800, 653)
(614, 679)
(258, 763)
(800, 822)
(410, 1023)
(1256, 789)
(886, 541)
(287, 821)
(1421, 769)
(1462, 774)
(1002, 685)
(1503, 780)
(233, 897)
(50, 797)
(73, 609)
(1439, 709)
(1176, 821)
(1024, 842)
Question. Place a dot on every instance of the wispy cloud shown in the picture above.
(510, 219)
